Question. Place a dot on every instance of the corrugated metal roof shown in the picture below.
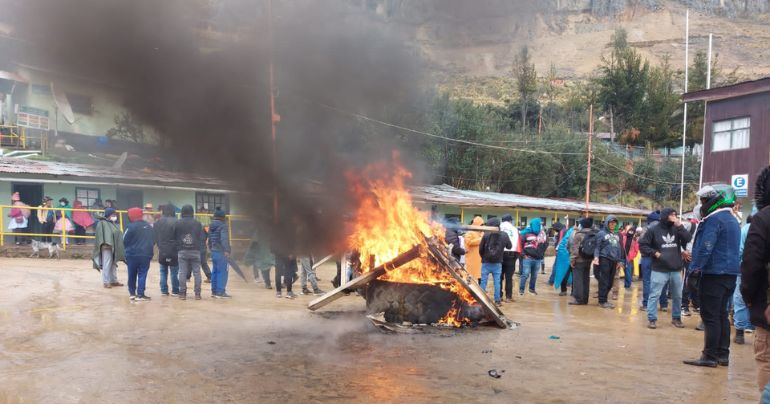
(448, 195)
(58, 169)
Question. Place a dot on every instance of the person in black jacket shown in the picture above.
(754, 276)
(452, 237)
(491, 249)
(188, 236)
(219, 245)
(167, 253)
(139, 242)
(664, 243)
(608, 258)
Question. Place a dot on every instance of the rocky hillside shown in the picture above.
(467, 40)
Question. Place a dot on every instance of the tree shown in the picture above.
(127, 127)
(697, 81)
(526, 82)
(661, 105)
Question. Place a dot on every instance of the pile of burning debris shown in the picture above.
(407, 274)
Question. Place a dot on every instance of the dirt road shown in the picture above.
(66, 339)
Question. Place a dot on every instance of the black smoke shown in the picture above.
(197, 73)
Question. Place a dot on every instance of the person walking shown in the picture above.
(534, 243)
(510, 256)
(472, 254)
(580, 262)
(188, 236)
(608, 258)
(492, 248)
(139, 242)
(108, 248)
(219, 245)
(715, 259)
(47, 218)
(168, 256)
(665, 243)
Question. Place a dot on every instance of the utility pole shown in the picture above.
(274, 117)
(684, 126)
(590, 152)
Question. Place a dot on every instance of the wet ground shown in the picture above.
(66, 339)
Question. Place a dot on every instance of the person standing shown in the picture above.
(260, 258)
(492, 247)
(168, 256)
(108, 247)
(608, 258)
(645, 267)
(47, 218)
(630, 246)
(188, 236)
(715, 258)
(83, 221)
(219, 244)
(665, 243)
(561, 267)
(148, 215)
(754, 276)
(19, 215)
(139, 242)
(285, 267)
(510, 256)
(472, 255)
(534, 243)
(741, 319)
(580, 262)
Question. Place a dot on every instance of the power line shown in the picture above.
(637, 175)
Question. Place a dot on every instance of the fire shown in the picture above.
(386, 223)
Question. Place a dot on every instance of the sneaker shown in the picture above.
(499, 304)
(562, 293)
(533, 292)
(268, 287)
(278, 295)
(164, 293)
(739, 337)
(142, 298)
(686, 312)
(198, 297)
(305, 291)
(696, 310)
(664, 309)
(224, 296)
(291, 295)
(318, 292)
(175, 294)
(652, 324)
(677, 323)
(132, 298)
(607, 305)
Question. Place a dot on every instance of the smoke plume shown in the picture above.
(197, 73)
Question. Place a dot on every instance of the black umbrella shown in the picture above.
(236, 268)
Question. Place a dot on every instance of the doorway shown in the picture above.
(32, 195)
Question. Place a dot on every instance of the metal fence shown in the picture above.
(241, 232)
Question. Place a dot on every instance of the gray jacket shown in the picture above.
(608, 243)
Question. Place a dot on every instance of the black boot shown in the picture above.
(739, 338)
(702, 361)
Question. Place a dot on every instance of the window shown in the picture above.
(523, 221)
(206, 203)
(87, 196)
(81, 104)
(731, 134)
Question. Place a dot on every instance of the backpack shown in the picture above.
(588, 245)
(494, 246)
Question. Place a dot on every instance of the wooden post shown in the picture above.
(462, 215)
(590, 151)
(517, 218)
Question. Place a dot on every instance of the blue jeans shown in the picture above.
(629, 274)
(740, 311)
(164, 272)
(495, 270)
(137, 274)
(218, 273)
(529, 267)
(645, 265)
(658, 282)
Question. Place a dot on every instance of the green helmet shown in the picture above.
(713, 197)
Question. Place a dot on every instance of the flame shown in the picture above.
(386, 223)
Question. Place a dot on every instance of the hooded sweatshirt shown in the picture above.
(534, 241)
(608, 242)
(164, 236)
(138, 239)
(756, 254)
(666, 240)
(493, 244)
(219, 236)
(513, 234)
(188, 232)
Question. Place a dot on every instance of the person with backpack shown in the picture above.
(715, 259)
(608, 258)
(534, 242)
(492, 249)
(665, 243)
(510, 256)
(581, 245)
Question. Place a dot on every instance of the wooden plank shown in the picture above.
(321, 262)
(478, 228)
(466, 280)
(364, 279)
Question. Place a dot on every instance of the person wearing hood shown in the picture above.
(608, 258)
(754, 276)
(19, 214)
(219, 245)
(472, 255)
(108, 247)
(168, 256)
(139, 242)
(510, 256)
(47, 218)
(630, 245)
(665, 243)
(492, 248)
(188, 237)
(561, 266)
(580, 263)
(559, 232)
(452, 237)
(715, 259)
(82, 220)
(534, 242)
(645, 267)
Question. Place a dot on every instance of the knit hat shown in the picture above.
(109, 212)
(219, 213)
(586, 222)
(15, 197)
(135, 214)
